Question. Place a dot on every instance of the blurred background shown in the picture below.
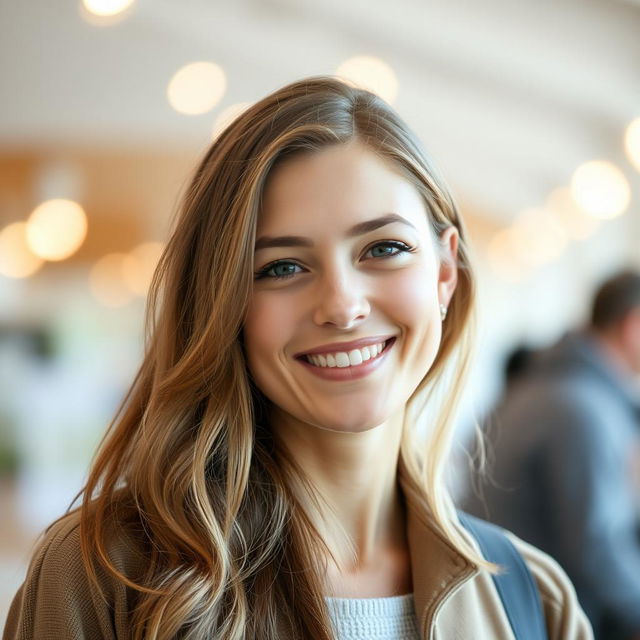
(531, 110)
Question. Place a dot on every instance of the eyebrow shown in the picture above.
(267, 242)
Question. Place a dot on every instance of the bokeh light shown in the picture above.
(578, 224)
(601, 189)
(538, 237)
(16, 259)
(632, 143)
(56, 229)
(106, 8)
(373, 74)
(106, 281)
(196, 88)
(139, 265)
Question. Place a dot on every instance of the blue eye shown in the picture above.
(390, 249)
(283, 269)
(279, 270)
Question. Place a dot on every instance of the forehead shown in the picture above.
(340, 185)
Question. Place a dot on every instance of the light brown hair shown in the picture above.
(189, 463)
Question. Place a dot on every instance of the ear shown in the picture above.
(448, 271)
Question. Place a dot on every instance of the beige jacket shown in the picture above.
(454, 600)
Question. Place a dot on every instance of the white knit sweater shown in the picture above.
(374, 618)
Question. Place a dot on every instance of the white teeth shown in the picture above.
(342, 359)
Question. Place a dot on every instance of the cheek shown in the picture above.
(267, 329)
(413, 300)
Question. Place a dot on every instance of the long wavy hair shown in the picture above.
(189, 463)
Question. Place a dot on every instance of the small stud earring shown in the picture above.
(443, 312)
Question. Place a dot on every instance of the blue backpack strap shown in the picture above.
(515, 585)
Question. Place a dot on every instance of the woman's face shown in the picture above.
(345, 264)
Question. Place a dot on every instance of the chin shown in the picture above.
(340, 428)
(354, 425)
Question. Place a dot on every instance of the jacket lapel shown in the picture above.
(437, 567)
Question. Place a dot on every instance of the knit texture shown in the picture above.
(374, 618)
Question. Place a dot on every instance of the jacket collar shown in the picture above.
(438, 568)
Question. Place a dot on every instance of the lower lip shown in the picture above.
(352, 372)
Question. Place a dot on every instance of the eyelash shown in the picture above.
(401, 246)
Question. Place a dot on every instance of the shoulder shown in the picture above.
(59, 600)
(57, 558)
(564, 616)
(59, 552)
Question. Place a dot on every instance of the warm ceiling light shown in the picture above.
(632, 143)
(139, 266)
(370, 73)
(601, 189)
(227, 116)
(56, 229)
(16, 259)
(106, 281)
(197, 88)
(576, 222)
(106, 7)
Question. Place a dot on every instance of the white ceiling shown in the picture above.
(508, 96)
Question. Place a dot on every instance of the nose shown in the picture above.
(342, 301)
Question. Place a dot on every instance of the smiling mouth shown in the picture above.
(347, 359)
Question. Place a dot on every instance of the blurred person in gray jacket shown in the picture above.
(564, 457)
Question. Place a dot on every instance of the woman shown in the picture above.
(263, 478)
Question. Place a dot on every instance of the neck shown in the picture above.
(361, 511)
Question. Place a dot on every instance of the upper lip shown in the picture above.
(334, 347)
